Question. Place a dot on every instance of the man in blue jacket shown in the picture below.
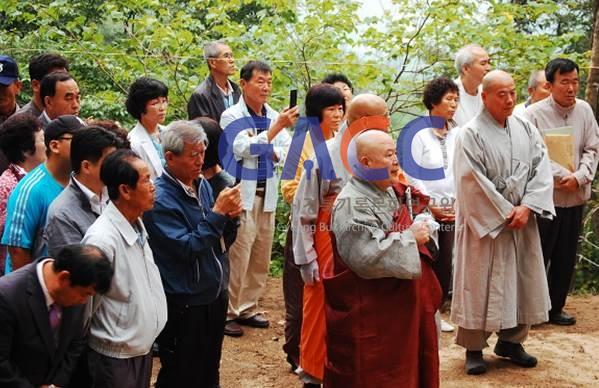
(186, 229)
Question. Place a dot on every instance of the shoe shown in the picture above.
(562, 318)
(516, 354)
(446, 327)
(257, 320)
(475, 364)
(232, 329)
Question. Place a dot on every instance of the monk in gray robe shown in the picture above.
(503, 179)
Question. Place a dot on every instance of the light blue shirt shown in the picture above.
(26, 212)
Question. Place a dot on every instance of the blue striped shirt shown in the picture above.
(26, 212)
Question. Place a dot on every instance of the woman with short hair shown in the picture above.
(434, 148)
(22, 142)
(147, 101)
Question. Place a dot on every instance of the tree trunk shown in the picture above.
(593, 80)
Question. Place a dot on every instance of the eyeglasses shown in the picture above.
(65, 138)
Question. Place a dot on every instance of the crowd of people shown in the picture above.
(119, 245)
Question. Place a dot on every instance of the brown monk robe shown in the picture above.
(381, 332)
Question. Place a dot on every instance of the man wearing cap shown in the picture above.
(60, 96)
(28, 203)
(10, 86)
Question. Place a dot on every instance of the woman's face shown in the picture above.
(331, 118)
(155, 111)
(447, 106)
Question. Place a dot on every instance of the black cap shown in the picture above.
(60, 126)
(9, 71)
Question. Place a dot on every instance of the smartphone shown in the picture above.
(292, 98)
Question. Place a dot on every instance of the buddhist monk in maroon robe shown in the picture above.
(381, 292)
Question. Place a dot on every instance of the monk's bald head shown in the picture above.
(496, 77)
(366, 105)
(376, 150)
(371, 142)
(499, 95)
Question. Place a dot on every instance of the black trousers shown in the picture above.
(109, 372)
(443, 264)
(559, 239)
(293, 293)
(191, 343)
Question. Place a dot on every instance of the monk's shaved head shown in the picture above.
(366, 105)
(499, 95)
(496, 77)
(371, 142)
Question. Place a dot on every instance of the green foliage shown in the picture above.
(110, 43)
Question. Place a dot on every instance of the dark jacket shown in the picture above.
(185, 238)
(29, 356)
(207, 100)
(69, 217)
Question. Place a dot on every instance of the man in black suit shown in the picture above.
(42, 316)
(217, 93)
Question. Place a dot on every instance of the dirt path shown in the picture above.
(568, 356)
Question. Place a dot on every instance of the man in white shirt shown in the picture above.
(250, 125)
(472, 63)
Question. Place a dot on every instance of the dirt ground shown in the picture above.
(568, 356)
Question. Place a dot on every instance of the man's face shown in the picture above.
(345, 90)
(541, 91)
(74, 295)
(258, 88)
(142, 196)
(66, 100)
(68, 295)
(500, 98)
(564, 88)
(224, 63)
(8, 98)
(384, 155)
(188, 165)
(61, 148)
(480, 66)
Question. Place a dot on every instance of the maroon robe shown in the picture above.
(382, 332)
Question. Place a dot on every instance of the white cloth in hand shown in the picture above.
(433, 226)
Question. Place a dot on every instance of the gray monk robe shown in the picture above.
(500, 279)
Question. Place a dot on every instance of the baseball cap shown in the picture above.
(60, 126)
(9, 71)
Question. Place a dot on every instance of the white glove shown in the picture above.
(309, 273)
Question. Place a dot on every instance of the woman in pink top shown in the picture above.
(22, 143)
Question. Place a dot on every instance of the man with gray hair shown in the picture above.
(472, 63)
(217, 93)
(186, 228)
(537, 91)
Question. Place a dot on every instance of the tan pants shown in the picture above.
(249, 260)
(477, 339)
